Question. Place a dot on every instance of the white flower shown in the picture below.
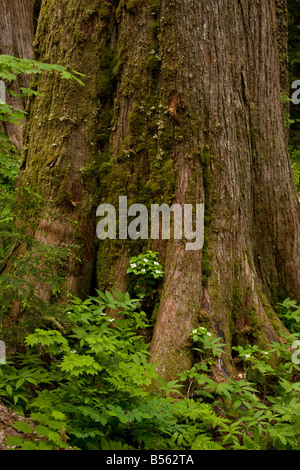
(133, 265)
(145, 259)
(158, 272)
(156, 263)
(73, 351)
(111, 319)
(208, 334)
(103, 314)
(247, 355)
(195, 332)
(143, 270)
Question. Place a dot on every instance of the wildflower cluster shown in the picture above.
(206, 342)
(146, 273)
(147, 265)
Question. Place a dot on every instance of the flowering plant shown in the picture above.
(146, 273)
(207, 341)
(146, 265)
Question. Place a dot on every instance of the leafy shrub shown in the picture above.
(96, 375)
(145, 273)
(289, 314)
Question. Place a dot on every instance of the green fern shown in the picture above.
(204, 442)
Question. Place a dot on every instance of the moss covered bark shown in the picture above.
(68, 128)
(219, 93)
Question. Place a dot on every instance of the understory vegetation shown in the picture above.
(89, 385)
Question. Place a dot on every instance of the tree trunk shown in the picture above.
(17, 34)
(182, 105)
(67, 130)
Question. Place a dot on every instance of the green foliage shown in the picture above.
(26, 260)
(12, 67)
(88, 386)
(146, 265)
(289, 314)
(206, 340)
(295, 159)
(259, 413)
(94, 379)
(147, 271)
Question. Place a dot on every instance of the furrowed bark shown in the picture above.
(17, 34)
(67, 129)
(227, 147)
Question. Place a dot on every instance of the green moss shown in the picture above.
(155, 7)
(155, 28)
(153, 64)
(108, 254)
(104, 12)
(118, 61)
(119, 13)
(131, 5)
(136, 120)
(72, 122)
(278, 292)
(88, 174)
(206, 266)
(206, 256)
(177, 361)
(155, 312)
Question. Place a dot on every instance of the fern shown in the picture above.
(204, 442)
(113, 445)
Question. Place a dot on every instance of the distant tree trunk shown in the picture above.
(17, 34)
(182, 104)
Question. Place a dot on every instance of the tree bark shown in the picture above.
(67, 130)
(182, 105)
(17, 34)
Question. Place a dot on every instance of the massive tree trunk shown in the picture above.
(182, 105)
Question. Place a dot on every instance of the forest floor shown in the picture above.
(7, 421)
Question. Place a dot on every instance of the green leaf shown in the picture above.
(58, 415)
(20, 383)
(14, 441)
(23, 427)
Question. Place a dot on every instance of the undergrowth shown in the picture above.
(87, 385)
